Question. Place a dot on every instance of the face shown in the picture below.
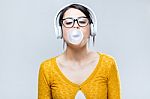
(75, 13)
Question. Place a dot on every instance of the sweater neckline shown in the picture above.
(85, 81)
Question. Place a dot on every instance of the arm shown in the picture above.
(44, 91)
(113, 82)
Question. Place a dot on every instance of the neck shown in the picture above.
(76, 54)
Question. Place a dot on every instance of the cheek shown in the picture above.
(64, 31)
(86, 31)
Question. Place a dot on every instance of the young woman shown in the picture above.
(78, 69)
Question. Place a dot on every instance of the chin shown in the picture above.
(77, 46)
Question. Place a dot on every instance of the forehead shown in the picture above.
(72, 12)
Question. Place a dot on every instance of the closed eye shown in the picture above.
(82, 22)
(68, 23)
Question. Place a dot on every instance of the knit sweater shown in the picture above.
(103, 82)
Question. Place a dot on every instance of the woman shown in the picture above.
(78, 69)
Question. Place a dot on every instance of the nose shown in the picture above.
(76, 24)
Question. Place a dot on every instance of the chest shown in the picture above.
(78, 74)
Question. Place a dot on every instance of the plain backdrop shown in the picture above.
(27, 38)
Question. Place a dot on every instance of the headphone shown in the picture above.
(93, 24)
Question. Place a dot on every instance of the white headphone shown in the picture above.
(58, 29)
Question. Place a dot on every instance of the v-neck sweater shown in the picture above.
(103, 82)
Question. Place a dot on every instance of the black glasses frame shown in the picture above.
(74, 21)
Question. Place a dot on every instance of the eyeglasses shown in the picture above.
(69, 22)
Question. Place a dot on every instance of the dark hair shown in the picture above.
(76, 6)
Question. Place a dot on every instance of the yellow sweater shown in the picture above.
(103, 83)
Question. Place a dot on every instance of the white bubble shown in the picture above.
(75, 36)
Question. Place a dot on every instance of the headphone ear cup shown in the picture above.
(93, 33)
(92, 30)
(59, 36)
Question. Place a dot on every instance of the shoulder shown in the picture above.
(46, 68)
(108, 62)
(47, 64)
(107, 59)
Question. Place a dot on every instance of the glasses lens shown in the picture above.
(68, 22)
(82, 21)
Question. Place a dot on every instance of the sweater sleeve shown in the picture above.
(113, 82)
(44, 90)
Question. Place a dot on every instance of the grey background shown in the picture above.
(27, 38)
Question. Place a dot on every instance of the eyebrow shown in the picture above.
(74, 17)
